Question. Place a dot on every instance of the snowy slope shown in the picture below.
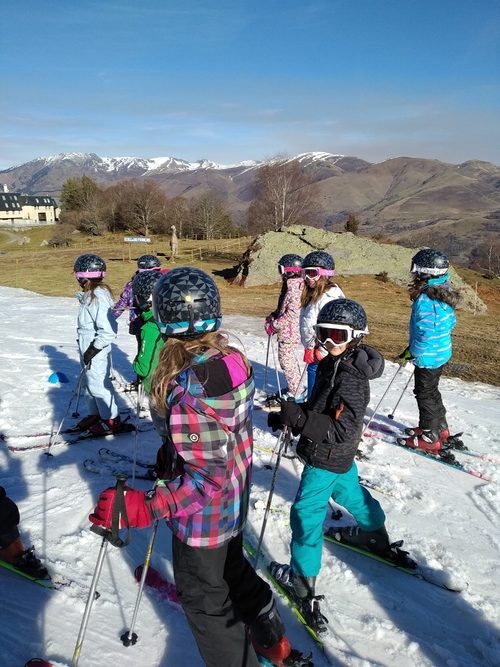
(450, 522)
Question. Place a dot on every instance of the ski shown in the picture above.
(402, 562)
(51, 581)
(86, 435)
(452, 463)
(117, 457)
(98, 468)
(453, 443)
(293, 605)
(158, 583)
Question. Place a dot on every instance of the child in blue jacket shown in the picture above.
(431, 323)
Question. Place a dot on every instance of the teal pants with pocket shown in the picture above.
(311, 505)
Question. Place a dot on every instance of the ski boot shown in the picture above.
(444, 432)
(23, 559)
(268, 636)
(84, 424)
(302, 592)
(108, 426)
(376, 541)
(427, 441)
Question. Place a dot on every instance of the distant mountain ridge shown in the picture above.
(413, 201)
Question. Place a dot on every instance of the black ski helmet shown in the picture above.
(290, 265)
(142, 288)
(147, 262)
(429, 262)
(186, 303)
(344, 311)
(90, 267)
(318, 259)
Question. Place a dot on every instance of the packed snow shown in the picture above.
(380, 617)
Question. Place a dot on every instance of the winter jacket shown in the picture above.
(95, 319)
(125, 301)
(208, 451)
(309, 316)
(151, 344)
(335, 411)
(431, 323)
(286, 318)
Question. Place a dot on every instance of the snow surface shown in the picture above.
(379, 617)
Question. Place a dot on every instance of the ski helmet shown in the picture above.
(318, 263)
(142, 288)
(429, 262)
(290, 265)
(147, 262)
(89, 267)
(186, 303)
(341, 321)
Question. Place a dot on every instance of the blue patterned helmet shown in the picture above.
(89, 267)
(142, 288)
(147, 262)
(429, 262)
(319, 259)
(186, 303)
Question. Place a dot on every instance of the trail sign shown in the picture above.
(134, 239)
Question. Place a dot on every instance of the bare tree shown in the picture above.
(142, 206)
(209, 217)
(486, 257)
(285, 195)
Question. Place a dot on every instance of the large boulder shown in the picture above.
(352, 254)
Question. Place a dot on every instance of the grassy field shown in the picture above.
(41, 269)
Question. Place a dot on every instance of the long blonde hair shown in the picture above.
(92, 285)
(314, 294)
(177, 354)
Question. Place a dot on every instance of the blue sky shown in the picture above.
(233, 80)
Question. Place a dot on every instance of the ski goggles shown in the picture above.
(428, 271)
(89, 275)
(288, 269)
(337, 334)
(314, 272)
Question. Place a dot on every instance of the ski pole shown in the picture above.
(391, 416)
(76, 391)
(284, 439)
(107, 536)
(140, 396)
(130, 637)
(75, 413)
(384, 394)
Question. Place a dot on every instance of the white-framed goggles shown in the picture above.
(288, 269)
(314, 272)
(337, 334)
(428, 271)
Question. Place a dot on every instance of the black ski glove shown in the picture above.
(274, 421)
(89, 354)
(293, 415)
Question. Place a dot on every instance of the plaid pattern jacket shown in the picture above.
(209, 448)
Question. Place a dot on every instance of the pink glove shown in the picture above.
(317, 354)
(268, 326)
(309, 356)
(137, 510)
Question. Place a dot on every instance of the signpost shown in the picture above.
(134, 239)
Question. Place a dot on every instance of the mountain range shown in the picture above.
(412, 201)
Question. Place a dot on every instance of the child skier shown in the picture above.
(284, 322)
(431, 323)
(12, 550)
(205, 388)
(126, 300)
(151, 339)
(331, 424)
(318, 268)
(96, 331)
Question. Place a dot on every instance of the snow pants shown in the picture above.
(311, 505)
(432, 413)
(287, 357)
(100, 393)
(220, 593)
(311, 377)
